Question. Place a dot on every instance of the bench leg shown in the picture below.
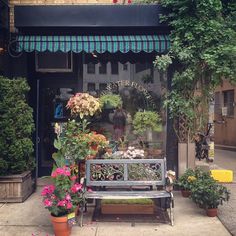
(171, 210)
(81, 214)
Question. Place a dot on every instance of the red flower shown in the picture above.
(114, 1)
(129, 1)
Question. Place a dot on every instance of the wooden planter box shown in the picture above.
(16, 188)
(127, 209)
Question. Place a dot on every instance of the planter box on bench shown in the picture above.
(127, 209)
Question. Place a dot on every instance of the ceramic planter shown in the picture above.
(127, 209)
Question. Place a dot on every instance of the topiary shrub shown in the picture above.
(16, 127)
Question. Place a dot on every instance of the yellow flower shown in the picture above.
(191, 178)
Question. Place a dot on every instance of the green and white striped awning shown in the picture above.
(100, 44)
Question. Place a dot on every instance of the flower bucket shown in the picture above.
(61, 226)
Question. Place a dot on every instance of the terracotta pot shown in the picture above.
(185, 193)
(60, 226)
(211, 212)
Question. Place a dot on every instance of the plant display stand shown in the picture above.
(16, 188)
(127, 208)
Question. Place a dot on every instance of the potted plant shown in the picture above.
(186, 182)
(110, 100)
(83, 104)
(16, 146)
(61, 199)
(145, 122)
(209, 194)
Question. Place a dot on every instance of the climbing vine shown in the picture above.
(203, 53)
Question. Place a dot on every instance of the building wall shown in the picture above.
(225, 127)
(12, 3)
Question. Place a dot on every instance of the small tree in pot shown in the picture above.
(16, 125)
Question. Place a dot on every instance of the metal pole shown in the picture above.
(37, 134)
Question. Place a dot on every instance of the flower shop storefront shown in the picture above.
(93, 57)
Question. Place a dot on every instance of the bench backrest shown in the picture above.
(124, 172)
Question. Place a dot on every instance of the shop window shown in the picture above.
(141, 67)
(125, 67)
(228, 97)
(53, 62)
(91, 87)
(114, 68)
(217, 103)
(102, 86)
(90, 68)
(103, 68)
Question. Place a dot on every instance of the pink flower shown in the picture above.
(60, 171)
(54, 174)
(89, 190)
(61, 203)
(49, 189)
(47, 202)
(73, 178)
(76, 187)
(68, 197)
(67, 173)
(69, 205)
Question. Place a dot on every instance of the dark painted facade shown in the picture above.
(86, 20)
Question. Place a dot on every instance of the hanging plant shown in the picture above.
(83, 104)
(110, 100)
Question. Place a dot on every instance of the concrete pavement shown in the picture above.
(30, 218)
(227, 160)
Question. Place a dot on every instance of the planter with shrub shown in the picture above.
(16, 146)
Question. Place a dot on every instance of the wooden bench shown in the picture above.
(105, 176)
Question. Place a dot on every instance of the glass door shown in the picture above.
(53, 98)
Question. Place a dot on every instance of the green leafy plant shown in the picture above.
(208, 193)
(144, 201)
(187, 180)
(110, 99)
(146, 119)
(17, 126)
(202, 53)
(73, 142)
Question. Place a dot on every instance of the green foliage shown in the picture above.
(208, 193)
(203, 48)
(16, 125)
(146, 119)
(205, 191)
(144, 201)
(72, 143)
(112, 100)
(186, 181)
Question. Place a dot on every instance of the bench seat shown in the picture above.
(127, 194)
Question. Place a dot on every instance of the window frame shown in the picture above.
(55, 70)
